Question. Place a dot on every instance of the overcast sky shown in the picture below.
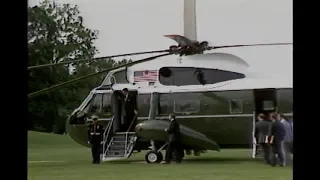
(139, 25)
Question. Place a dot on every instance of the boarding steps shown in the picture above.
(117, 145)
(120, 146)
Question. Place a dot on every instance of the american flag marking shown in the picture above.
(145, 76)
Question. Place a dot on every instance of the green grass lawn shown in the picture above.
(57, 157)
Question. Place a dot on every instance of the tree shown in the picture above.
(55, 33)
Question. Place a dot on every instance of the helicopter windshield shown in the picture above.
(100, 105)
(182, 76)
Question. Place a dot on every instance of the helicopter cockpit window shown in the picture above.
(96, 103)
(120, 77)
(235, 106)
(181, 76)
(106, 104)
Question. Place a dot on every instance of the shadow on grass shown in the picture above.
(222, 160)
(204, 160)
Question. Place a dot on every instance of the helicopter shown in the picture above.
(212, 94)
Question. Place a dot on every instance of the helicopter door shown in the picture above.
(265, 101)
(116, 101)
(130, 105)
(123, 111)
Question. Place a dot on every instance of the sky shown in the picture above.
(139, 25)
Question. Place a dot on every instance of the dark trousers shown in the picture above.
(127, 122)
(173, 147)
(278, 149)
(95, 150)
(266, 152)
(288, 151)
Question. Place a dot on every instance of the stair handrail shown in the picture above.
(108, 147)
(127, 132)
(106, 134)
(133, 120)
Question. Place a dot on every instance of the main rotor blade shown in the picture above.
(91, 75)
(242, 45)
(99, 58)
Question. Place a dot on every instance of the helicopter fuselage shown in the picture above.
(222, 108)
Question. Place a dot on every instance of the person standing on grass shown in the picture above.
(288, 138)
(174, 144)
(277, 134)
(95, 139)
(262, 129)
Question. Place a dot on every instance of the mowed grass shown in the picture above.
(57, 157)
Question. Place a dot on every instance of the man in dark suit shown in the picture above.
(262, 130)
(174, 144)
(277, 134)
(130, 108)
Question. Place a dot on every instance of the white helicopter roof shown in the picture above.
(222, 61)
(233, 85)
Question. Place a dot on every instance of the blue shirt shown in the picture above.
(288, 127)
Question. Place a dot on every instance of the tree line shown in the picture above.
(56, 33)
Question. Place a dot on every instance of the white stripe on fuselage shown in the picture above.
(198, 116)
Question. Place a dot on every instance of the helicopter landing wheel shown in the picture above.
(153, 157)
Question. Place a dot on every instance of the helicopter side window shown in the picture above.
(186, 103)
(186, 106)
(164, 105)
(143, 105)
(182, 76)
(235, 106)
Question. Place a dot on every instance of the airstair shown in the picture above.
(117, 146)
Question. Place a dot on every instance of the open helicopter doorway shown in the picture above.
(265, 102)
(123, 110)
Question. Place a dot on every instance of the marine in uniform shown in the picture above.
(174, 143)
(95, 137)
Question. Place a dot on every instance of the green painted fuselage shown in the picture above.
(227, 117)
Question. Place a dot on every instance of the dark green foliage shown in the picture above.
(56, 33)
